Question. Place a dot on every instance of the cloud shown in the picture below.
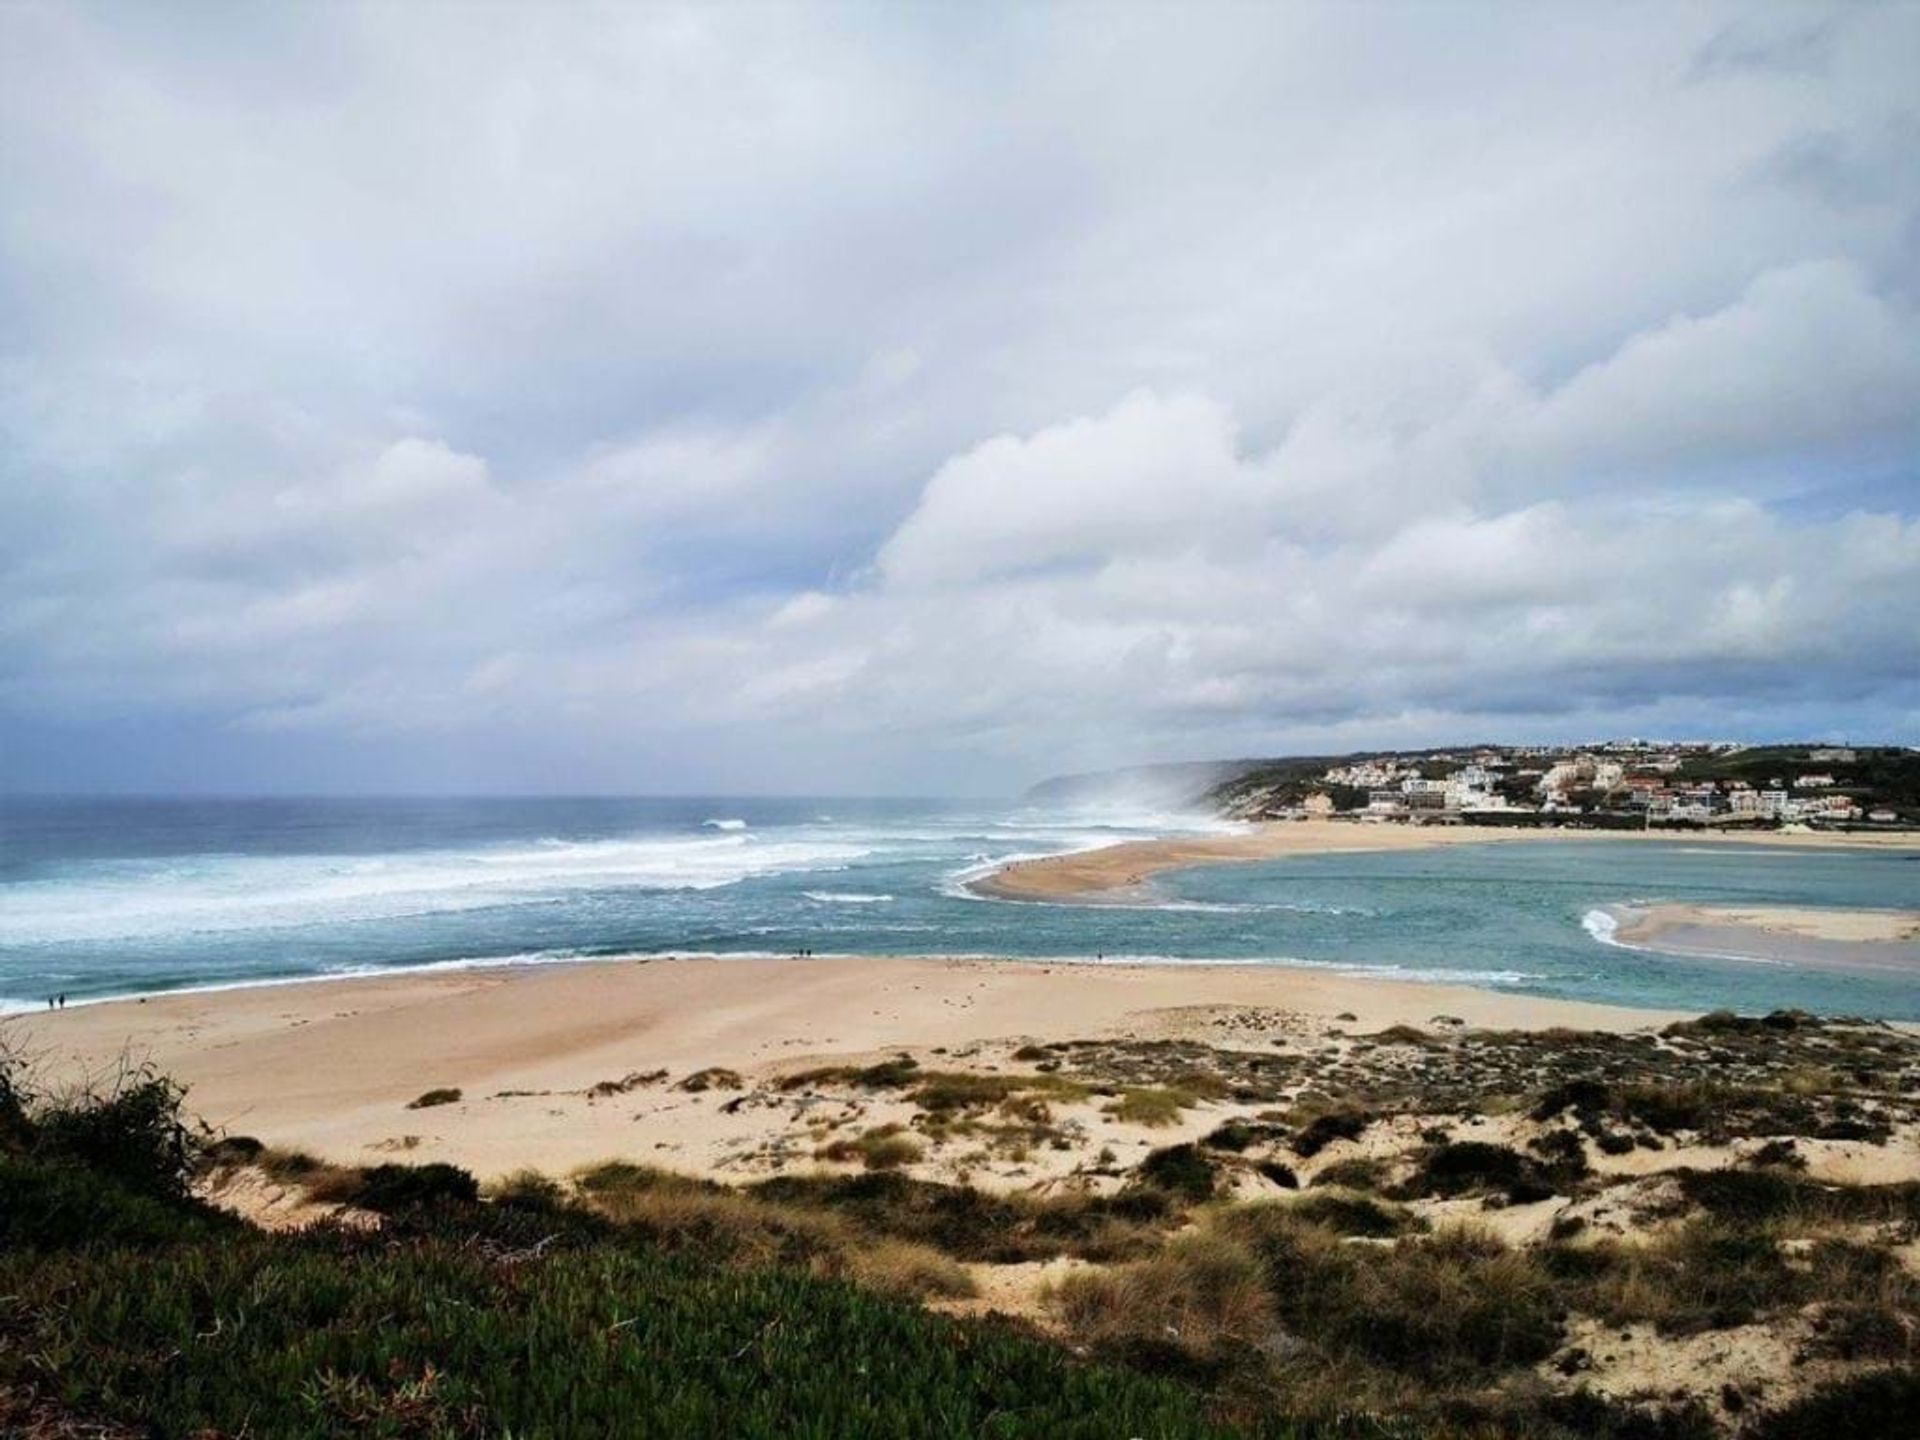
(682, 397)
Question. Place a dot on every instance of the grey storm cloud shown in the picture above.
(856, 397)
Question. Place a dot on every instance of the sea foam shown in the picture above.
(224, 893)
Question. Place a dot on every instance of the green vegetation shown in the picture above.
(330, 1334)
(127, 1303)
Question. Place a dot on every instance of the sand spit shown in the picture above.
(1116, 873)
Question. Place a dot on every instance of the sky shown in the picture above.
(928, 399)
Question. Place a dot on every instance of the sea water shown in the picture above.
(116, 897)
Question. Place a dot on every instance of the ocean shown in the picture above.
(108, 897)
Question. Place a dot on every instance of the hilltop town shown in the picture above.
(1609, 784)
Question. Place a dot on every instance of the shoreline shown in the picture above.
(546, 1057)
(1359, 970)
(1118, 874)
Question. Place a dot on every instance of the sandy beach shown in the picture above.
(331, 1067)
(1112, 874)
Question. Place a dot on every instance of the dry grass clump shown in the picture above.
(1446, 1306)
(1346, 1213)
(1279, 1310)
(1778, 1194)
(975, 1226)
(631, 1081)
(894, 1074)
(714, 1077)
(884, 1147)
(1152, 1106)
(1200, 1294)
(950, 1092)
(717, 1223)
(909, 1271)
(1712, 1274)
(445, 1095)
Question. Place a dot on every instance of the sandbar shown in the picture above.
(1867, 942)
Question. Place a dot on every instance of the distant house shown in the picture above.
(1814, 782)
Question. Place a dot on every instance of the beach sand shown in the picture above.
(1870, 942)
(1851, 926)
(330, 1067)
(1116, 873)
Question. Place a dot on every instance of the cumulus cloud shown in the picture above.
(693, 397)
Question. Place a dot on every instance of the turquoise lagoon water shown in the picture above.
(115, 897)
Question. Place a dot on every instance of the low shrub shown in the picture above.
(1180, 1170)
(1588, 1099)
(1475, 1167)
(1323, 1130)
(1280, 1174)
(391, 1188)
(131, 1128)
(444, 1096)
(1362, 1172)
(48, 1205)
(1876, 1406)
(527, 1190)
(1233, 1137)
